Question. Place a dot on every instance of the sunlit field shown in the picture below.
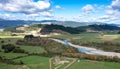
(8, 36)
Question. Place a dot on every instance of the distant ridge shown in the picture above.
(14, 23)
(77, 30)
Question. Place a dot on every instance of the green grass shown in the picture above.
(69, 36)
(32, 62)
(9, 40)
(33, 49)
(8, 66)
(91, 37)
(11, 55)
(35, 62)
(76, 36)
(38, 62)
(84, 64)
(5, 33)
(111, 34)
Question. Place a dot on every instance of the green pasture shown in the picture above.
(8, 66)
(85, 64)
(33, 49)
(11, 55)
(35, 62)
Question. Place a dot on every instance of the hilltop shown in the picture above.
(46, 29)
(104, 28)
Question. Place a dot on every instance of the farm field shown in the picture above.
(82, 36)
(96, 37)
(11, 55)
(8, 40)
(9, 36)
(87, 64)
(8, 66)
(35, 62)
(33, 49)
(69, 36)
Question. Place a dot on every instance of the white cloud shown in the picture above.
(24, 6)
(114, 8)
(57, 7)
(33, 15)
(8, 17)
(88, 8)
(104, 17)
(110, 12)
(46, 14)
(27, 9)
(115, 5)
(113, 11)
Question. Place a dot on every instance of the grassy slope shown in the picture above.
(33, 49)
(66, 36)
(83, 64)
(36, 62)
(6, 66)
(91, 37)
(82, 37)
(9, 40)
(11, 55)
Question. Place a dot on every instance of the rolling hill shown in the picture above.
(14, 23)
(105, 28)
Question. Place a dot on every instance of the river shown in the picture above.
(88, 50)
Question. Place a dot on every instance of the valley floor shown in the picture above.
(42, 62)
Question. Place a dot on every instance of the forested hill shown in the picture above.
(59, 29)
(100, 27)
(95, 27)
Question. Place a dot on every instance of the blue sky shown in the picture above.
(71, 10)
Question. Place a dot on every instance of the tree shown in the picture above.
(18, 50)
(8, 47)
(21, 62)
(2, 41)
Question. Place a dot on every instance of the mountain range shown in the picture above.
(14, 23)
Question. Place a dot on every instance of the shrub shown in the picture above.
(18, 50)
(2, 41)
(12, 48)
(8, 47)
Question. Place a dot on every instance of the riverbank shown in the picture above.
(88, 50)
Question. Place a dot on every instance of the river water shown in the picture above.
(87, 50)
